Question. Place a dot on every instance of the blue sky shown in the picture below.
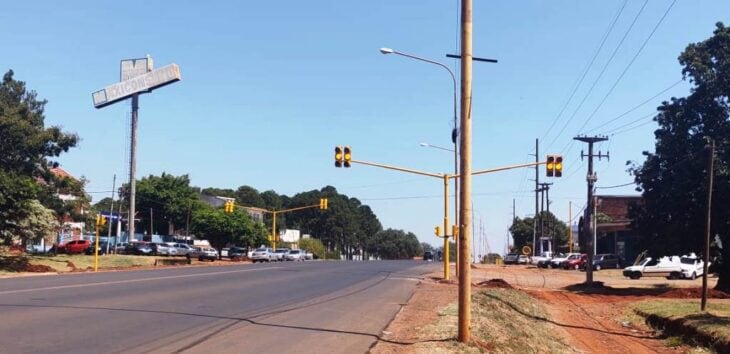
(269, 88)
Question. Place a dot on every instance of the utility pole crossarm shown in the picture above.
(402, 169)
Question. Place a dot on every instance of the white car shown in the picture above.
(280, 254)
(295, 255)
(650, 267)
(262, 254)
(545, 256)
(692, 267)
(558, 261)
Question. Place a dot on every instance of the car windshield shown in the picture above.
(688, 260)
(281, 251)
(261, 250)
(294, 252)
(575, 256)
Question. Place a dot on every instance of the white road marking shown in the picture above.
(131, 281)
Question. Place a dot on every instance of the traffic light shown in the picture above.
(550, 166)
(338, 156)
(348, 156)
(437, 230)
(454, 231)
(323, 204)
(229, 207)
(558, 166)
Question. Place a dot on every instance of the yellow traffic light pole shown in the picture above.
(100, 221)
(323, 204)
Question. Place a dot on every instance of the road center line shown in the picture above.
(132, 280)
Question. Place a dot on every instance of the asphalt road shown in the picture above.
(332, 307)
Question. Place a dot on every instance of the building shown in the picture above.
(613, 230)
(71, 229)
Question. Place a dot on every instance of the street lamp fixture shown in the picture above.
(436, 147)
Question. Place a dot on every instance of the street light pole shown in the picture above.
(454, 132)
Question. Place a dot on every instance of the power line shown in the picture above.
(617, 130)
(600, 75)
(588, 67)
(629, 65)
(616, 186)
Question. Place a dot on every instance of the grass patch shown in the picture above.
(684, 318)
(10, 264)
(503, 321)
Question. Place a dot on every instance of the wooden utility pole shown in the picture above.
(465, 197)
(706, 258)
(570, 226)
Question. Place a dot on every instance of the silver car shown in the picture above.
(295, 255)
(182, 249)
(262, 254)
(280, 254)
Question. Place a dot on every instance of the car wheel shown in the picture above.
(598, 267)
(577, 267)
(693, 276)
(635, 275)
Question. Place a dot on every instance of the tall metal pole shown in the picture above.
(570, 226)
(465, 192)
(706, 258)
(111, 214)
(537, 183)
(133, 168)
(446, 227)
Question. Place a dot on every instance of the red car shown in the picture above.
(75, 246)
(575, 261)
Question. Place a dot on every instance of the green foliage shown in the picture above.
(222, 229)
(314, 246)
(171, 199)
(397, 244)
(27, 146)
(522, 230)
(674, 177)
(40, 223)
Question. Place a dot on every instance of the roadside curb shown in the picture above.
(680, 327)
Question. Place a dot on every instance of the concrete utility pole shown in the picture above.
(545, 188)
(111, 215)
(706, 257)
(465, 197)
(589, 217)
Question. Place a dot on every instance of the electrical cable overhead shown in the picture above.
(587, 68)
(611, 132)
(628, 66)
(600, 75)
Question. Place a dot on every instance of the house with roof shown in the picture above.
(613, 230)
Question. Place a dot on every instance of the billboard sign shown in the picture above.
(135, 67)
(147, 82)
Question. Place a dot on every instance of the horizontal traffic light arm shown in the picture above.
(292, 209)
(402, 169)
(504, 168)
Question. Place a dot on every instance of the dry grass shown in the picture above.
(68, 263)
(715, 321)
(503, 321)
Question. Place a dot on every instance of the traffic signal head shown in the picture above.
(229, 207)
(338, 156)
(348, 156)
(454, 231)
(100, 220)
(437, 230)
(550, 166)
(558, 166)
(323, 204)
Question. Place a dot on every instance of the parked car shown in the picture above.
(181, 249)
(139, 248)
(102, 248)
(692, 267)
(511, 258)
(545, 256)
(224, 251)
(604, 261)
(308, 256)
(558, 260)
(428, 256)
(650, 267)
(237, 252)
(522, 259)
(575, 261)
(119, 247)
(294, 255)
(280, 254)
(204, 253)
(75, 246)
(162, 249)
(262, 254)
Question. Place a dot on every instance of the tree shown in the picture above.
(40, 223)
(522, 230)
(397, 244)
(673, 178)
(27, 147)
(314, 246)
(170, 198)
(222, 229)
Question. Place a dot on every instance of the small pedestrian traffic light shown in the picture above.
(348, 156)
(454, 231)
(558, 166)
(323, 203)
(338, 156)
(550, 166)
(437, 230)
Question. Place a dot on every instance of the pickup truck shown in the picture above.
(650, 267)
(692, 267)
